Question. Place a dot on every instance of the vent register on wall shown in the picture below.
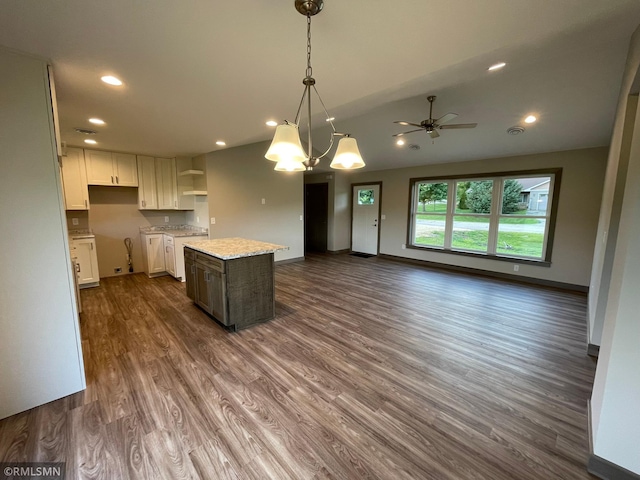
(163, 183)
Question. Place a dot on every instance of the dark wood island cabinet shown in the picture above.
(232, 279)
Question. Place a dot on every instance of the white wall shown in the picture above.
(615, 402)
(40, 349)
(237, 181)
(610, 208)
(576, 224)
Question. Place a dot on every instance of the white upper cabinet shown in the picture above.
(74, 180)
(147, 190)
(111, 169)
(125, 169)
(166, 182)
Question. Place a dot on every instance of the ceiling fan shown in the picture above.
(432, 126)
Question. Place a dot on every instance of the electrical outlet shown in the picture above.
(301, 218)
(117, 270)
(74, 221)
(516, 268)
(197, 219)
(404, 246)
(264, 200)
(166, 219)
(213, 220)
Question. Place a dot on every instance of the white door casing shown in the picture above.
(365, 211)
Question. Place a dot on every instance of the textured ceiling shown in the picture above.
(199, 71)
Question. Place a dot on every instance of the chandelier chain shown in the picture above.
(309, 69)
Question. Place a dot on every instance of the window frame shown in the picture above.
(494, 216)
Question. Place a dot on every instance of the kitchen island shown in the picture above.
(232, 279)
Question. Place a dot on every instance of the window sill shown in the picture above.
(500, 258)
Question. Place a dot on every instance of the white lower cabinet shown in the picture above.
(163, 254)
(85, 256)
(169, 255)
(153, 254)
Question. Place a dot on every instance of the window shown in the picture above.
(365, 197)
(506, 216)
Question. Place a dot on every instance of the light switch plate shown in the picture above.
(264, 200)
(384, 217)
(74, 221)
(213, 220)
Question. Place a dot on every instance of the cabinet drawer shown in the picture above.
(189, 254)
(210, 262)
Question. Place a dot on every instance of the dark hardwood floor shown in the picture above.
(372, 369)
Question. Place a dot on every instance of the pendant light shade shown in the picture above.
(347, 155)
(286, 146)
(289, 166)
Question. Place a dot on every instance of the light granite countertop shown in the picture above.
(229, 248)
(176, 230)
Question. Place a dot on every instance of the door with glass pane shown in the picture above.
(365, 218)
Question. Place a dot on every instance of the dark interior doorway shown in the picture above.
(316, 212)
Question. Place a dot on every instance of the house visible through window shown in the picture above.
(503, 216)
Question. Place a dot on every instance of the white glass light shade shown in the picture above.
(289, 166)
(347, 155)
(286, 146)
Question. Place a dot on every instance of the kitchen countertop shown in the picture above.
(229, 248)
(81, 233)
(176, 230)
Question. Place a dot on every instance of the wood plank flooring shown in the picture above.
(372, 369)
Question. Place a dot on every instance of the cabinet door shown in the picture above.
(217, 295)
(202, 287)
(170, 259)
(125, 170)
(74, 180)
(155, 253)
(87, 260)
(166, 181)
(99, 167)
(190, 278)
(147, 194)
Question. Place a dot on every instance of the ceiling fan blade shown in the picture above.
(434, 134)
(406, 124)
(458, 125)
(404, 133)
(446, 118)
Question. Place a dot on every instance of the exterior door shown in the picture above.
(364, 218)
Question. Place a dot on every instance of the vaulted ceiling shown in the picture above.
(198, 71)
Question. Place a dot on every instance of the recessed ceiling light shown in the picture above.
(111, 80)
(330, 119)
(530, 119)
(497, 66)
(400, 142)
(221, 143)
(96, 121)
(272, 123)
(89, 141)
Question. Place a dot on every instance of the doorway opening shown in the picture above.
(316, 217)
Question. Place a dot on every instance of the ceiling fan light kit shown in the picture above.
(431, 125)
(286, 147)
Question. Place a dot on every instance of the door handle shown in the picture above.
(193, 269)
(117, 181)
(112, 179)
(166, 249)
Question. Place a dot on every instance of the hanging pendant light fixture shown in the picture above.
(286, 148)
